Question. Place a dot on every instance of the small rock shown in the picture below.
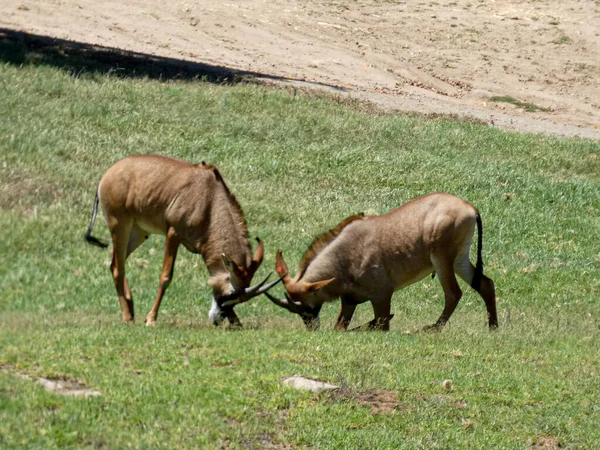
(307, 384)
(447, 385)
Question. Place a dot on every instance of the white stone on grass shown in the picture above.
(307, 384)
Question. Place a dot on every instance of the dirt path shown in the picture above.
(446, 57)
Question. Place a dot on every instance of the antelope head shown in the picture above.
(301, 297)
(236, 289)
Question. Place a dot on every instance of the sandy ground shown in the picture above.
(442, 56)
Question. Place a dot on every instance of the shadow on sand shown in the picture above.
(78, 58)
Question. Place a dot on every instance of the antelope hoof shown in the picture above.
(374, 325)
(364, 327)
(150, 322)
(435, 328)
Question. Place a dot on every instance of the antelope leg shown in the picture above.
(233, 319)
(120, 231)
(444, 267)
(369, 326)
(347, 309)
(136, 238)
(171, 246)
(382, 314)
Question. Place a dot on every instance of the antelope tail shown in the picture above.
(476, 282)
(88, 234)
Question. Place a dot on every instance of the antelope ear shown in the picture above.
(281, 267)
(231, 265)
(317, 285)
(259, 254)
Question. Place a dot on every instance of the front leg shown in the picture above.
(232, 317)
(381, 308)
(374, 324)
(347, 308)
(382, 318)
(171, 246)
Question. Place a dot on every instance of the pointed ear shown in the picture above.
(231, 265)
(259, 254)
(317, 285)
(282, 268)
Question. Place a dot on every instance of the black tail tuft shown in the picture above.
(88, 234)
(95, 241)
(476, 282)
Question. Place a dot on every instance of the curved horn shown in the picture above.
(259, 254)
(288, 303)
(258, 289)
(246, 294)
(278, 301)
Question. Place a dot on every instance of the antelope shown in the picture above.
(191, 205)
(369, 258)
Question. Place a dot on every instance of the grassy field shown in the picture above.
(298, 165)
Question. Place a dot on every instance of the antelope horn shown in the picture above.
(278, 301)
(258, 289)
(250, 292)
(288, 303)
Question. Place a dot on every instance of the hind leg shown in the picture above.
(486, 290)
(488, 293)
(136, 238)
(444, 268)
(120, 230)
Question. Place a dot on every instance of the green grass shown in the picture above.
(529, 107)
(298, 165)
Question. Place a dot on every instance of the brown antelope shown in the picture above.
(191, 205)
(368, 258)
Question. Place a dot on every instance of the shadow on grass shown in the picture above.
(78, 58)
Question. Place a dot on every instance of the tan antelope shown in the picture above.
(191, 205)
(368, 258)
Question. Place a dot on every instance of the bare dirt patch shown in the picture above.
(546, 443)
(437, 57)
(380, 401)
(61, 385)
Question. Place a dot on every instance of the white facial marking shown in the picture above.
(214, 315)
